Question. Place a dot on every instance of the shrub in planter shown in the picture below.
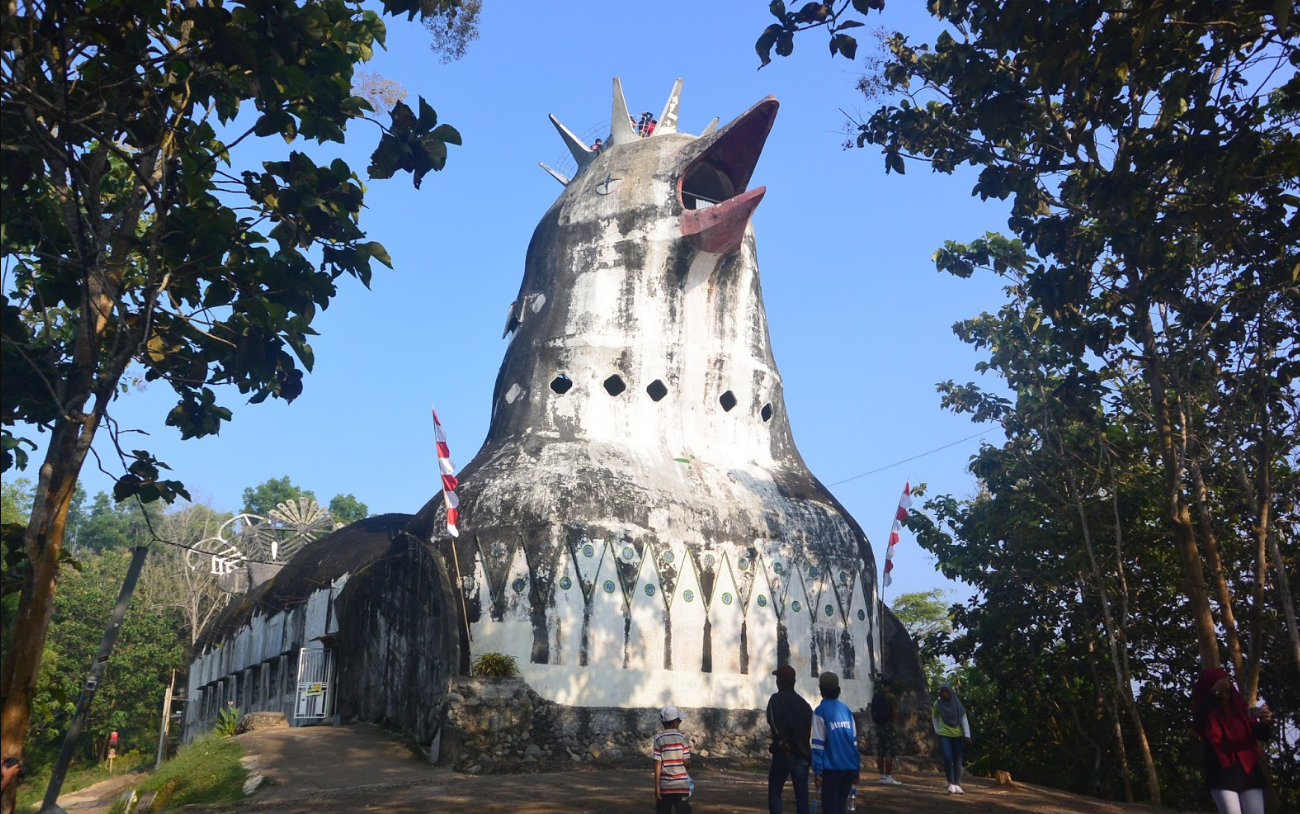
(495, 665)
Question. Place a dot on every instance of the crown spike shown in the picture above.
(713, 125)
(558, 176)
(582, 154)
(668, 119)
(620, 123)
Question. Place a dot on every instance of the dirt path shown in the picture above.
(325, 770)
(99, 797)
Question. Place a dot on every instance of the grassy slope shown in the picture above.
(205, 771)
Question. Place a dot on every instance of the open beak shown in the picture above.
(713, 183)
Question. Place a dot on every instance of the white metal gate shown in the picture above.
(315, 670)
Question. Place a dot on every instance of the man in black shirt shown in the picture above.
(790, 719)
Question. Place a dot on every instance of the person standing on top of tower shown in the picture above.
(835, 759)
(790, 719)
(598, 146)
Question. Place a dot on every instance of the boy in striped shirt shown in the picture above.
(672, 754)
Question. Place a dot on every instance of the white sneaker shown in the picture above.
(952, 789)
(884, 780)
(891, 781)
(957, 789)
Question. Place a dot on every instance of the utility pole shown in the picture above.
(166, 721)
(92, 681)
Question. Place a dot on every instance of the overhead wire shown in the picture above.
(914, 457)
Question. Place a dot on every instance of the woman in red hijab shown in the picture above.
(1230, 734)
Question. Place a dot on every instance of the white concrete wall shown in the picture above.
(624, 634)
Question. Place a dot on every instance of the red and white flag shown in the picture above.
(904, 503)
(449, 482)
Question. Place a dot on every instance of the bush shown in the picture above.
(227, 721)
(495, 665)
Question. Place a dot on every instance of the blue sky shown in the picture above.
(860, 321)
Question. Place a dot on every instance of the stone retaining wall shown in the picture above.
(501, 724)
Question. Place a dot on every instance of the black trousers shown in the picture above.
(673, 804)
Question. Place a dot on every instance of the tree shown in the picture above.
(927, 618)
(169, 585)
(129, 700)
(453, 31)
(380, 92)
(347, 509)
(264, 497)
(1150, 153)
(133, 237)
(15, 505)
(15, 500)
(105, 523)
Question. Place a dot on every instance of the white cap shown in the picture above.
(670, 713)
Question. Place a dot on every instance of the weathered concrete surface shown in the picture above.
(639, 505)
(903, 662)
(248, 655)
(397, 644)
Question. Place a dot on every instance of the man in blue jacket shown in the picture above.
(835, 758)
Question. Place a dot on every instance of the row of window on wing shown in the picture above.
(657, 390)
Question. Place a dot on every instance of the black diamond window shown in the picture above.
(614, 385)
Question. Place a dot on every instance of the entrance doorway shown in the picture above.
(315, 674)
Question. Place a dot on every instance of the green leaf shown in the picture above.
(447, 134)
(428, 116)
(376, 250)
(765, 42)
(844, 44)
(785, 44)
(813, 12)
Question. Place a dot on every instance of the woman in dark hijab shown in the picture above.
(950, 724)
(1230, 734)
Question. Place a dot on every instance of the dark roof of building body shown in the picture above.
(316, 566)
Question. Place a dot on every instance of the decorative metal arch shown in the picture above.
(270, 540)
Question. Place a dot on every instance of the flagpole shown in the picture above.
(444, 454)
(900, 514)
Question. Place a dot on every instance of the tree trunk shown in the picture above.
(43, 539)
(1210, 546)
(1123, 682)
(1124, 770)
(1283, 591)
(1180, 518)
(1283, 588)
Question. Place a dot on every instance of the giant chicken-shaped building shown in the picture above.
(639, 525)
